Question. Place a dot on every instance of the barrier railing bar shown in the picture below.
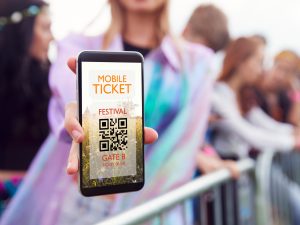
(156, 206)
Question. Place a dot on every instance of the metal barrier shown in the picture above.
(278, 192)
(156, 208)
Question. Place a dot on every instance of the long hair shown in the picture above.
(117, 23)
(237, 52)
(24, 90)
(15, 41)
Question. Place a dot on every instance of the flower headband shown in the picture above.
(18, 16)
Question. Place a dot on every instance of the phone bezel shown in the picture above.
(106, 56)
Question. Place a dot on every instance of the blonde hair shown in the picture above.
(118, 18)
(291, 58)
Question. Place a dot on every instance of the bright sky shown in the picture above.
(277, 20)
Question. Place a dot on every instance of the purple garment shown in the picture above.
(48, 195)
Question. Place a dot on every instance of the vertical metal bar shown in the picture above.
(253, 201)
(274, 198)
(296, 168)
(264, 176)
(161, 219)
(203, 210)
(229, 198)
(217, 206)
(184, 213)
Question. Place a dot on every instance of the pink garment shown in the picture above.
(209, 150)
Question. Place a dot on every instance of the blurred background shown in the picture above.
(277, 20)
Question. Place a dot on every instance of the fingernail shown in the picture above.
(76, 134)
(69, 165)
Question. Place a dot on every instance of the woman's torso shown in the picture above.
(163, 94)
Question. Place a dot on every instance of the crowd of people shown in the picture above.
(206, 118)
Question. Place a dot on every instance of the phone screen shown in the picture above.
(112, 120)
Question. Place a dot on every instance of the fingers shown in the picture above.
(232, 167)
(71, 123)
(76, 132)
(74, 129)
(72, 64)
(150, 135)
(73, 160)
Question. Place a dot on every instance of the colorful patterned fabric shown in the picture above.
(177, 95)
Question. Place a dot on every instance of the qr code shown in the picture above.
(113, 133)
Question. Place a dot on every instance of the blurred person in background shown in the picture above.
(249, 94)
(278, 92)
(24, 39)
(208, 26)
(237, 130)
(177, 90)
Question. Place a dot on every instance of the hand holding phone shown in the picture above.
(115, 181)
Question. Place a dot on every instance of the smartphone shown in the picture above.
(111, 112)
